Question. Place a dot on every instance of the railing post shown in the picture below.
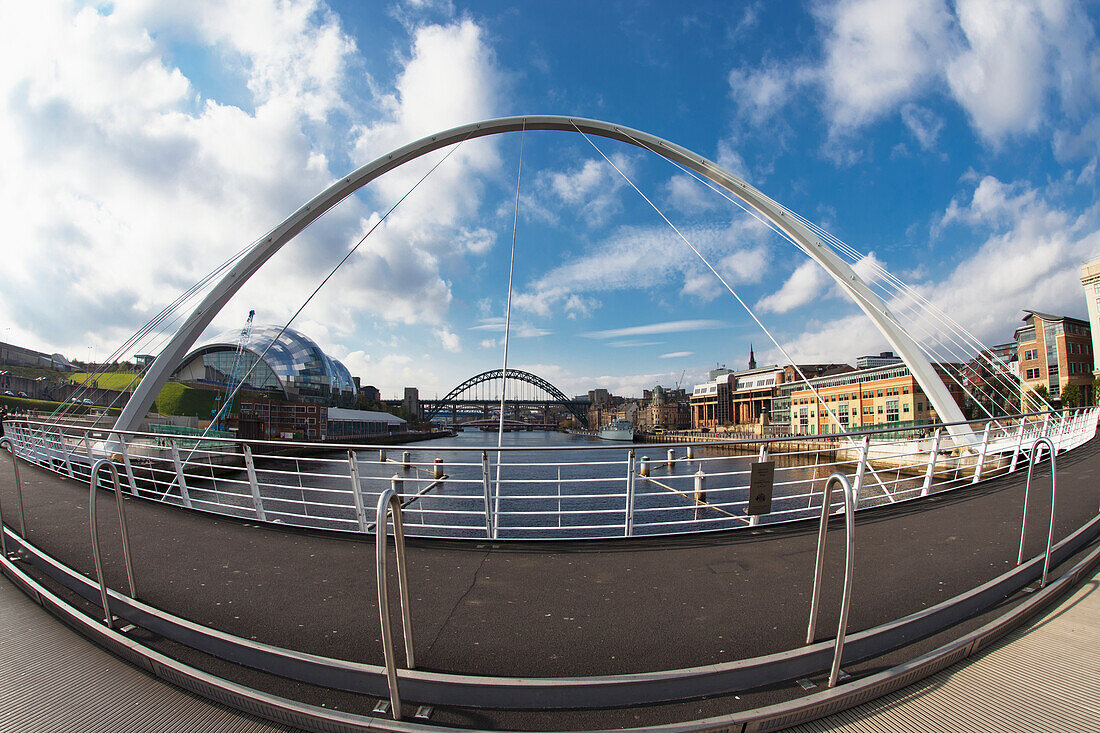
(927, 488)
(849, 568)
(1019, 444)
(486, 487)
(754, 519)
(253, 484)
(357, 491)
(185, 497)
(18, 497)
(628, 520)
(390, 504)
(861, 469)
(700, 490)
(1046, 422)
(126, 464)
(96, 555)
(981, 456)
(1035, 452)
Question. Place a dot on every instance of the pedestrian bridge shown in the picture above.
(710, 626)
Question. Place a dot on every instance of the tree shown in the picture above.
(1038, 399)
(1071, 396)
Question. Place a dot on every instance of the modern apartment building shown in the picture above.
(886, 396)
(1054, 351)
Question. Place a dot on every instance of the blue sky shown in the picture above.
(956, 143)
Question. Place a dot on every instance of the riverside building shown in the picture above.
(886, 396)
(1054, 352)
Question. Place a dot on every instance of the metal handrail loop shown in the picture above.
(390, 503)
(18, 497)
(849, 567)
(92, 478)
(1035, 455)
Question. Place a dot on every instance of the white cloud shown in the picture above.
(760, 93)
(879, 53)
(807, 283)
(1028, 256)
(624, 261)
(589, 192)
(650, 329)
(519, 329)
(925, 125)
(448, 340)
(676, 355)
(115, 158)
(689, 195)
(1014, 66)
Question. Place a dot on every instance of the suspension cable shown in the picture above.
(508, 320)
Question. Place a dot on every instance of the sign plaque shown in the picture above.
(761, 482)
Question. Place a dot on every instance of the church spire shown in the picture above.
(752, 358)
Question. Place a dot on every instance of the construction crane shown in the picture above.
(681, 379)
(235, 374)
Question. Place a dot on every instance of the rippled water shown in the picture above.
(579, 490)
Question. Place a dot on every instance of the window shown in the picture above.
(905, 407)
(880, 409)
(891, 411)
(1031, 354)
(905, 390)
(868, 410)
(880, 393)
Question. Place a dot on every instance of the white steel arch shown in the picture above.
(157, 374)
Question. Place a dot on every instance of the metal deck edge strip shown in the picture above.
(562, 692)
(768, 718)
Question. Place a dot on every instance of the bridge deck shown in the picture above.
(601, 607)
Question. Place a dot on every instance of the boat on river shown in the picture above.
(617, 430)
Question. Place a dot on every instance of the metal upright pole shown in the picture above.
(357, 491)
(486, 486)
(1019, 444)
(628, 521)
(864, 451)
(185, 497)
(126, 464)
(981, 456)
(927, 488)
(254, 485)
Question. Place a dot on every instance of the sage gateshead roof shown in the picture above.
(291, 363)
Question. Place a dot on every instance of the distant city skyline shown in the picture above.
(957, 145)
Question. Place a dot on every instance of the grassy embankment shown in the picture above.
(174, 398)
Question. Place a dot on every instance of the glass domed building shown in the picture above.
(291, 365)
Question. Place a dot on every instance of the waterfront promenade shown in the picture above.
(557, 609)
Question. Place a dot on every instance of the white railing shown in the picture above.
(566, 492)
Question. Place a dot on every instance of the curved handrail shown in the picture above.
(389, 502)
(92, 479)
(1035, 453)
(18, 497)
(849, 567)
(237, 485)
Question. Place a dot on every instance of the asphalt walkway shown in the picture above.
(557, 609)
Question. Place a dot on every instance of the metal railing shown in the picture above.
(389, 504)
(1035, 452)
(849, 568)
(585, 489)
(93, 525)
(394, 503)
